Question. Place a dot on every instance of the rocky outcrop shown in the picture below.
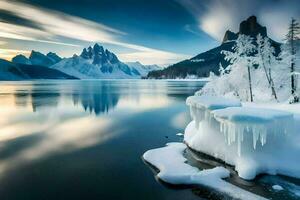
(249, 27)
(229, 36)
(252, 28)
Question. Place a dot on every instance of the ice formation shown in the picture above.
(237, 121)
(201, 106)
(173, 169)
(254, 139)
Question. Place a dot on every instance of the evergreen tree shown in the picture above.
(291, 38)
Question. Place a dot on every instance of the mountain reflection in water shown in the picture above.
(54, 133)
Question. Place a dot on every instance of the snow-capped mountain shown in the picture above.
(143, 69)
(95, 63)
(37, 58)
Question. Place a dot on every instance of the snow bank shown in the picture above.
(174, 169)
(231, 134)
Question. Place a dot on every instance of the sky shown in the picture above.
(152, 32)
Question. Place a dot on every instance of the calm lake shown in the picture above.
(85, 139)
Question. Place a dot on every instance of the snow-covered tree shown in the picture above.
(242, 58)
(292, 38)
(266, 59)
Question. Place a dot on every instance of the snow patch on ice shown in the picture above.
(211, 102)
(277, 187)
(174, 169)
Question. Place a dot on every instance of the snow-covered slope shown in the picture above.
(143, 69)
(96, 63)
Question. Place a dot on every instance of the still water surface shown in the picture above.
(85, 139)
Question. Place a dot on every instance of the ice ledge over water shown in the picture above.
(211, 102)
(173, 169)
(230, 132)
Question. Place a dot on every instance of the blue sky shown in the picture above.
(156, 31)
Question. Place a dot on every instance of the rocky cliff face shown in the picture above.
(252, 28)
(229, 36)
(247, 27)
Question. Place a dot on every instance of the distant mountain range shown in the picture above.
(143, 69)
(209, 61)
(93, 63)
(17, 71)
(37, 58)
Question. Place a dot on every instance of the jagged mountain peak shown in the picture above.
(54, 56)
(35, 53)
(99, 55)
(250, 27)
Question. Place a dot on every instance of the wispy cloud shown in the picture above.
(161, 58)
(18, 32)
(9, 53)
(53, 24)
(217, 16)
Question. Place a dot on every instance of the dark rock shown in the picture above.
(229, 36)
(252, 28)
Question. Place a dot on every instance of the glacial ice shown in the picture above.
(254, 138)
(173, 169)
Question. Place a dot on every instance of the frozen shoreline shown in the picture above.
(174, 170)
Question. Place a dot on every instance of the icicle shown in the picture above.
(255, 135)
(239, 139)
(263, 136)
